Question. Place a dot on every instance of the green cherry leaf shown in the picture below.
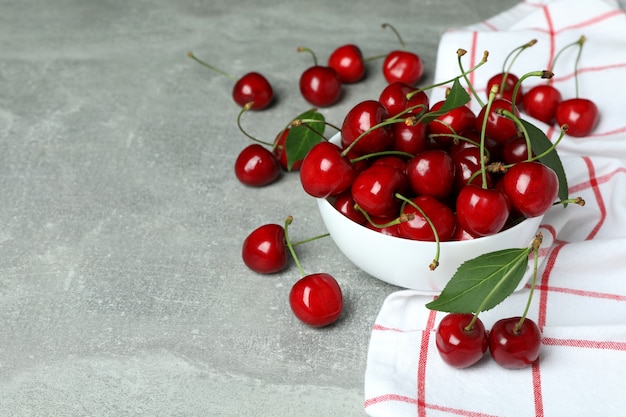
(457, 97)
(483, 282)
(540, 143)
(302, 138)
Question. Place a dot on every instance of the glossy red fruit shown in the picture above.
(541, 102)
(481, 211)
(344, 203)
(403, 66)
(431, 173)
(459, 121)
(256, 166)
(264, 250)
(253, 87)
(457, 346)
(499, 127)
(394, 97)
(361, 118)
(410, 139)
(418, 228)
(374, 190)
(579, 114)
(347, 61)
(325, 172)
(512, 349)
(392, 160)
(515, 150)
(506, 85)
(532, 188)
(467, 166)
(320, 86)
(316, 299)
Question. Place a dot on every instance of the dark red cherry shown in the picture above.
(418, 228)
(458, 346)
(515, 150)
(344, 203)
(325, 171)
(256, 166)
(506, 85)
(391, 160)
(360, 119)
(431, 173)
(459, 121)
(579, 114)
(403, 66)
(481, 211)
(374, 190)
(467, 166)
(499, 127)
(347, 61)
(316, 299)
(541, 102)
(515, 348)
(320, 86)
(410, 139)
(264, 250)
(531, 187)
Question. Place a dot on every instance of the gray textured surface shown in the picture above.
(122, 292)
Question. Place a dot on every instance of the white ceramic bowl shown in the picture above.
(405, 262)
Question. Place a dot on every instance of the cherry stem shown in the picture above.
(381, 153)
(460, 53)
(519, 123)
(470, 325)
(580, 43)
(578, 201)
(400, 219)
(536, 243)
(244, 109)
(219, 71)
(543, 74)
(506, 70)
(311, 239)
(435, 263)
(305, 122)
(305, 49)
(288, 221)
(374, 57)
(387, 25)
(483, 171)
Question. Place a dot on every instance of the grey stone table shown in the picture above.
(122, 290)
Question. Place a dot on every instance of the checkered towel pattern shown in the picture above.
(580, 299)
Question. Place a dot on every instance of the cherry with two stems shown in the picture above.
(319, 85)
(402, 65)
(252, 87)
(315, 299)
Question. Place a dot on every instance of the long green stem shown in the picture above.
(435, 262)
(460, 53)
(387, 25)
(305, 49)
(535, 249)
(311, 239)
(288, 221)
(244, 109)
(507, 70)
(483, 171)
(211, 67)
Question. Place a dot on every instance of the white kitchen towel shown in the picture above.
(580, 299)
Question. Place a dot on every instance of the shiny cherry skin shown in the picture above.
(344, 203)
(395, 98)
(410, 139)
(403, 66)
(579, 114)
(253, 87)
(418, 228)
(256, 166)
(361, 118)
(347, 61)
(499, 128)
(459, 121)
(392, 160)
(511, 349)
(325, 172)
(466, 164)
(320, 86)
(316, 299)
(457, 346)
(264, 250)
(506, 91)
(431, 173)
(515, 150)
(280, 151)
(481, 211)
(374, 190)
(531, 187)
(541, 101)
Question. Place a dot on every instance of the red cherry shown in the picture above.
(466, 164)
(316, 299)
(457, 346)
(515, 150)
(481, 211)
(512, 349)
(320, 86)
(347, 61)
(374, 190)
(431, 173)
(394, 97)
(264, 250)
(403, 66)
(256, 166)
(541, 102)
(499, 127)
(531, 187)
(361, 118)
(418, 228)
(459, 121)
(410, 139)
(325, 172)
(392, 160)
(506, 91)
(344, 203)
(579, 114)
